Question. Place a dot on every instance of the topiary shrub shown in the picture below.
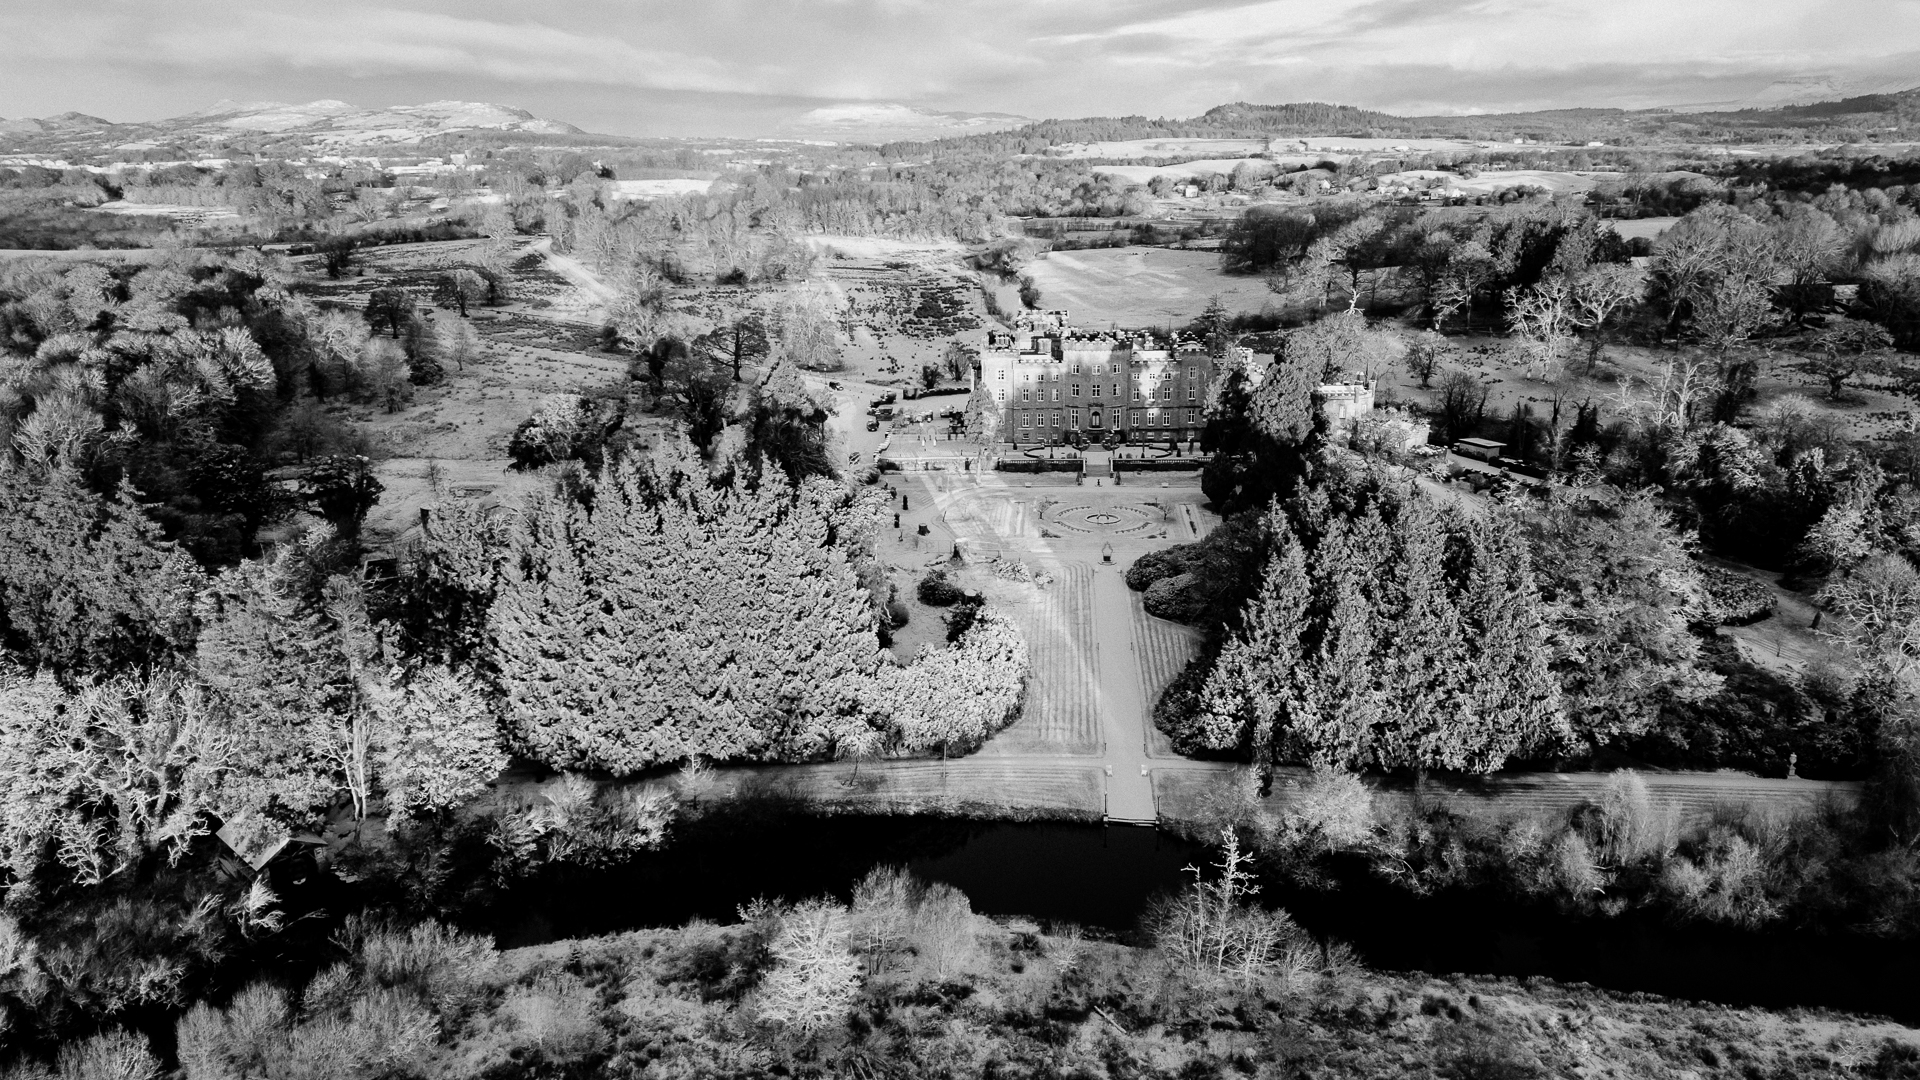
(898, 614)
(1179, 598)
(937, 591)
(1179, 715)
(1153, 566)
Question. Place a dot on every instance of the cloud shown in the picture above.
(621, 59)
(367, 40)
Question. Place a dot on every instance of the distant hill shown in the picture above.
(1803, 91)
(320, 126)
(868, 121)
(1883, 116)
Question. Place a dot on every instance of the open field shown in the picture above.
(463, 424)
(1159, 148)
(1495, 180)
(185, 215)
(901, 304)
(542, 341)
(1649, 227)
(658, 189)
(1142, 174)
(1140, 286)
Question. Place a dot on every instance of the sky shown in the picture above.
(763, 67)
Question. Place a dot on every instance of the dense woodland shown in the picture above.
(189, 640)
(1571, 622)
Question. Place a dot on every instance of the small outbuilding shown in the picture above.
(255, 846)
(1479, 449)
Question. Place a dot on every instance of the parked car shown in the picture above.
(873, 425)
(831, 385)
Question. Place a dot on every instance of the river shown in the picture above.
(1102, 877)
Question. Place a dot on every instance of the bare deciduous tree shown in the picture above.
(814, 975)
(943, 931)
(1844, 349)
(1878, 609)
(1543, 316)
(1601, 293)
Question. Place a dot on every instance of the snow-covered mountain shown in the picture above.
(337, 121)
(315, 124)
(869, 121)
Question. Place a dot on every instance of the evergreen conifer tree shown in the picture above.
(1423, 664)
(1350, 702)
(676, 618)
(281, 677)
(1248, 693)
(86, 584)
(1513, 700)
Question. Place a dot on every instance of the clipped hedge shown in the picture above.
(1735, 599)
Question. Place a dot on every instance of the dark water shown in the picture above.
(1102, 878)
(1489, 935)
(1095, 876)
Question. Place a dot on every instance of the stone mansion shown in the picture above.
(1051, 380)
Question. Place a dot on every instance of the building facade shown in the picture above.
(1051, 381)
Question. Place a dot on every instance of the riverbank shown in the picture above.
(1104, 878)
(1184, 794)
(1029, 1004)
(966, 996)
(1195, 795)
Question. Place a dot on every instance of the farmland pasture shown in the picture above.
(1140, 286)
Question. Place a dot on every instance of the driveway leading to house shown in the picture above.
(1085, 744)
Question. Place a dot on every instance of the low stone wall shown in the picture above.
(1165, 464)
(1038, 465)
